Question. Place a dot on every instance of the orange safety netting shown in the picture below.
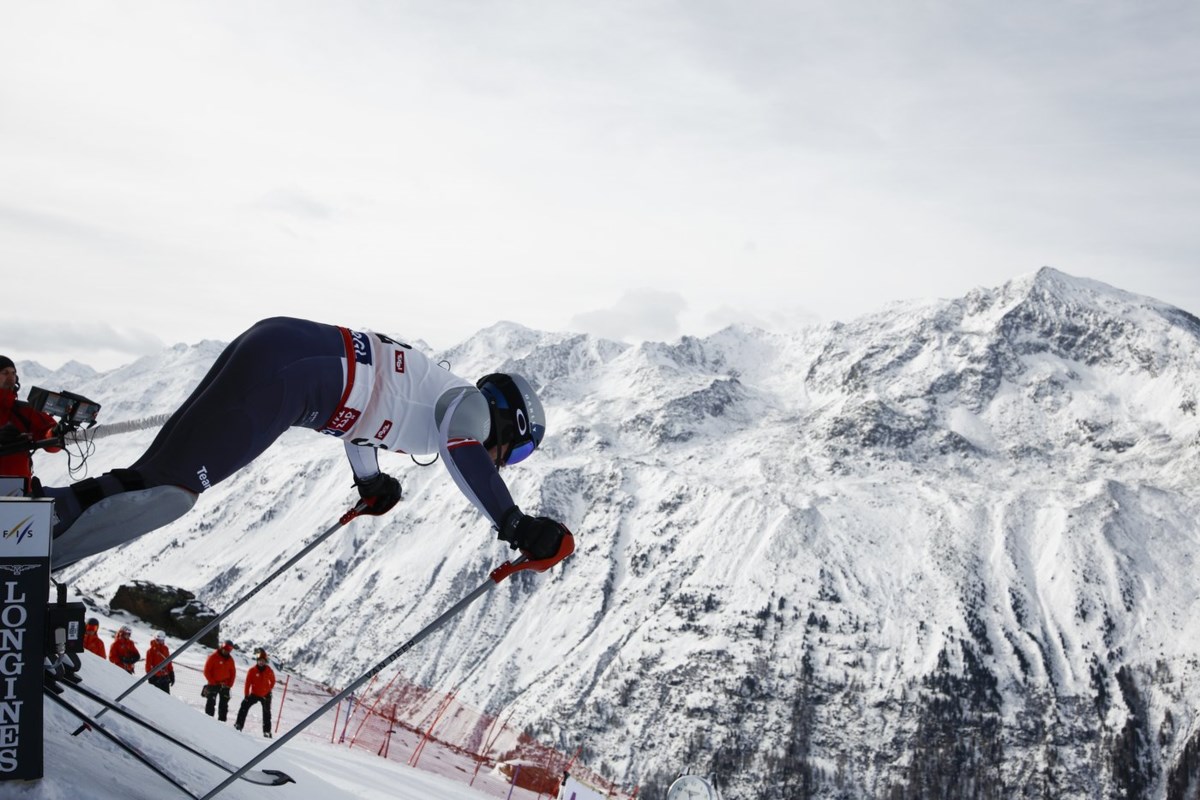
(428, 730)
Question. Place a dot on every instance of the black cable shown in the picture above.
(84, 449)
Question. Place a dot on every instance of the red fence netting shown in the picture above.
(427, 729)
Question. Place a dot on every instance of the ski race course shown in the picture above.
(320, 769)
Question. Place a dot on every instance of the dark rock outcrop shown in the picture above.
(176, 611)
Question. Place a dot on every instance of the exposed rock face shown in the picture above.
(175, 611)
(948, 550)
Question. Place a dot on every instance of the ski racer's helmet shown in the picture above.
(518, 419)
(125, 630)
(160, 636)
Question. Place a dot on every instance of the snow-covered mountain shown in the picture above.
(946, 550)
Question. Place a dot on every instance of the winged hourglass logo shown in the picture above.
(17, 569)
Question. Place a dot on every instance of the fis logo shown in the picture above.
(362, 347)
(384, 429)
(399, 361)
(21, 531)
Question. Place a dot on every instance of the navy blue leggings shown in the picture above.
(280, 373)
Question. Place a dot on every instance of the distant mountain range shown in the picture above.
(947, 550)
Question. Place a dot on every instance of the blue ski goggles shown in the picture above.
(520, 452)
(511, 427)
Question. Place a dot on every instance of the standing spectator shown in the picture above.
(165, 678)
(124, 652)
(91, 638)
(220, 671)
(20, 423)
(260, 680)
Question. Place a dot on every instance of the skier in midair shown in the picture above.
(367, 389)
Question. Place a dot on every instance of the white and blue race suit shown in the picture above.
(367, 389)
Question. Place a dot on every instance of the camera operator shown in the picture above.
(20, 424)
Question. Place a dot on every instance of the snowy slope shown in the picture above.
(89, 766)
(950, 544)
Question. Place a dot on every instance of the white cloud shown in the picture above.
(295, 203)
(52, 342)
(778, 319)
(642, 314)
(432, 168)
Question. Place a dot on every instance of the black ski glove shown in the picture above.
(536, 537)
(381, 492)
(9, 435)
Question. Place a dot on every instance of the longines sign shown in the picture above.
(24, 589)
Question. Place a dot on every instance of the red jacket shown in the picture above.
(124, 653)
(93, 643)
(26, 419)
(157, 654)
(220, 668)
(260, 680)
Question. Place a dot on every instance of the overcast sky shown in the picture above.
(174, 171)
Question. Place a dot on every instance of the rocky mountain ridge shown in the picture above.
(945, 550)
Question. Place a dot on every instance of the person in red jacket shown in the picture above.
(20, 423)
(220, 671)
(91, 638)
(260, 680)
(124, 652)
(165, 678)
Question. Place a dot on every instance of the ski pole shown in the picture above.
(345, 518)
(496, 576)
